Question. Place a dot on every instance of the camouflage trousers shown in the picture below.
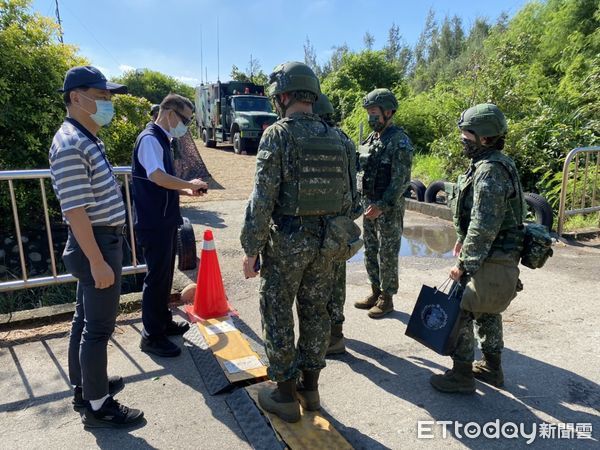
(489, 331)
(335, 306)
(382, 238)
(292, 268)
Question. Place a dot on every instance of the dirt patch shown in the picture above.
(232, 175)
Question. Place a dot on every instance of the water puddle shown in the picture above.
(420, 241)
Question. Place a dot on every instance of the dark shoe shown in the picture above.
(159, 346)
(457, 380)
(384, 306)
(177, 328)
(281, 401)
(489, 370)
(115, 385)
(111, 415)
(337, 343)
(308, 390)
(369, 301)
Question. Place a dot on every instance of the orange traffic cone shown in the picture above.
(210, 300)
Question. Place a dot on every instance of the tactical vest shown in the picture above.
(376, 169)
(510, 236)
(318, 180)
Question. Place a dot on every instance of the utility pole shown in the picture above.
(60, 29)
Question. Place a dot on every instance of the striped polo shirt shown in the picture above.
(82, 176)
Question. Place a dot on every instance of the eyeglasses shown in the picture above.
(185, 120)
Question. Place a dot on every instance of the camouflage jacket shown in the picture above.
(485, 203)
(385, 163)
(276, 160)
(356, 208)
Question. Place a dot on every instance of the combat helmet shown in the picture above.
(293, 76)
(484, 120)
(323, 106)
(384, 98)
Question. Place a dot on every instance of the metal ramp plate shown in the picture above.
(223, 356)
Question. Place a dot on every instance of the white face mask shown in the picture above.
(179, 130)
(105, 111)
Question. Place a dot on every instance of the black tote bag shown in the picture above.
(434, 321)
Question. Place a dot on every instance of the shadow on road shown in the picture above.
(531, 386)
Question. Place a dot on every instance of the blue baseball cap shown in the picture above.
(90, 77)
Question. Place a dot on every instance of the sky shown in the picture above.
(174, 36)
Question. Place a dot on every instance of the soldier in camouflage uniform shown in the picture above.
(487, 203)
(300, 182)
(335, 307)
(385, 160)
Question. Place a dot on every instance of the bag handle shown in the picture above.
(447, 283)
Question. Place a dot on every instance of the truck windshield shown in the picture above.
(252, 104)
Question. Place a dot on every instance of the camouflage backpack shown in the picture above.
(537, 246)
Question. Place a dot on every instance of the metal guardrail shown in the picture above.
(592, 159)
(25, 282)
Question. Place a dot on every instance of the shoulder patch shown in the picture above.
(264, 155)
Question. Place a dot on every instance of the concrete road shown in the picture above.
(377, 393)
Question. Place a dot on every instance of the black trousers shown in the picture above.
(159, 247)
(95, 314)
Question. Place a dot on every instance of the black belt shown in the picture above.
(108, 229)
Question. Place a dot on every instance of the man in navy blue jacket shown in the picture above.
(156, 201)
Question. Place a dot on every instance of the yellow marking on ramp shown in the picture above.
(231, 346)
(312, 432)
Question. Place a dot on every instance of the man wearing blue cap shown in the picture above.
(92, 207)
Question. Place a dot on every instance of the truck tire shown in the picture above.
(240, 145)
(540, 207)
(207, 143)
(417, 188)
(433, 190)
(186, 246)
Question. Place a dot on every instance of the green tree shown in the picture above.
(253, 73)
(32, 68)
(153, 85)
(131, 116)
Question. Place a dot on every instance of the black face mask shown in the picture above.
(471, 149)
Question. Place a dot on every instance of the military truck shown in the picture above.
(234, 112)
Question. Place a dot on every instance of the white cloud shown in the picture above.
(126, 68)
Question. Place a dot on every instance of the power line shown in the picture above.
(60, 28)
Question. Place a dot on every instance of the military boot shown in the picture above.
(281, 401)
(308, 390)
(369, 301)
(384, 306)
(489, 370)
(337, 343)
(458, 379)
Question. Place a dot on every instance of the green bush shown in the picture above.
(32, 68)
(131, 116)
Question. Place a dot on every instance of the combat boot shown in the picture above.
(281, 401)
(384, 306)
(308, 390)
(459, 379)
(489, 370)
(369, 301)
(337, 343)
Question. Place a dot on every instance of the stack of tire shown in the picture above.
(540, 210)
